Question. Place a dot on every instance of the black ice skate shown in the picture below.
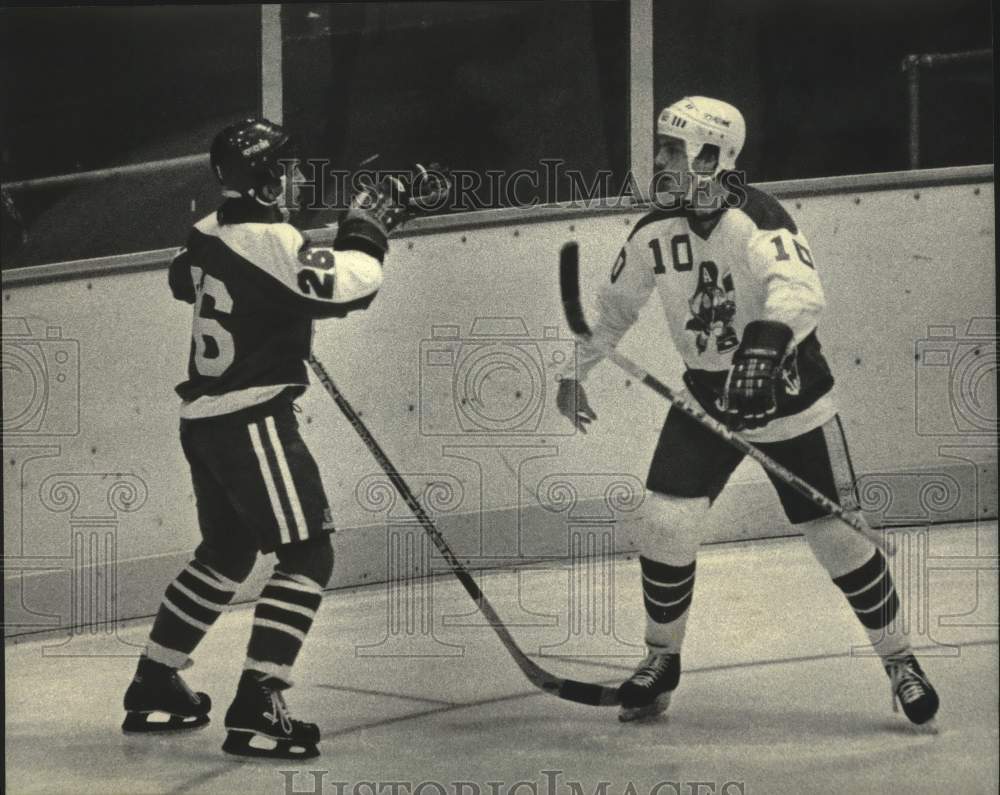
(158, 700)
(647, 692)
(912, 689)
(258, 723)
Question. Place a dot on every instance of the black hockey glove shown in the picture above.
(428, 189)
(379, 208)
(571, 400)
(749, 399)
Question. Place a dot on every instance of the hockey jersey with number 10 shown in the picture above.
(256, 287)
(713, 276)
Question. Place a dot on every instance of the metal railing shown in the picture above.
(482, 219)
(87, 177)
(912, 66)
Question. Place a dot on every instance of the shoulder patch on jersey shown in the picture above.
(654, 216)
(766, 211)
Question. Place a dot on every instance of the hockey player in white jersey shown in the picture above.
(742, 301)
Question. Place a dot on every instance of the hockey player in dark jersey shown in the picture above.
(754, 362)
(256, 287)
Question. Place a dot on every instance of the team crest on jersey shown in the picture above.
(790, 378)
(713, 309)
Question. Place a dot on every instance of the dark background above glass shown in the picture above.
(820, 81)
(475, 85)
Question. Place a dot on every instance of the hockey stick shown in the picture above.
(569, 286)
(568, 689)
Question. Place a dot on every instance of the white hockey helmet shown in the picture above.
(701, 120)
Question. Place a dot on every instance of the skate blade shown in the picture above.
(647, 712)
(251, 745)
(161, 722)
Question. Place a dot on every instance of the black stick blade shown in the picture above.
(590, 694)
(569, 287)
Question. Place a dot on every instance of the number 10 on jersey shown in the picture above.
(680, 253)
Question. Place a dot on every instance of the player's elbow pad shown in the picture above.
(361, 276)
(361, 231)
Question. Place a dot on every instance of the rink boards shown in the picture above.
(452, 369)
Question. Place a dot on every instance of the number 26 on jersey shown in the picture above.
(213, 345)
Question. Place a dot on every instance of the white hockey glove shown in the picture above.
(571, 399)
(750, 397)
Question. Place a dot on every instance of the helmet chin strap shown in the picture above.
(260, 201)
(235, 194)
(279, 191)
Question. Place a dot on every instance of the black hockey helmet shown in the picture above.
(246, 158)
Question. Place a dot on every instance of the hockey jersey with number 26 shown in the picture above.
(256, 287)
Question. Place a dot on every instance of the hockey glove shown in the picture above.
(571, 400)
(428, 189)
(379, 208)
(749, 399)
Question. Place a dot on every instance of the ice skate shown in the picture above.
(912, 689)
(647, 692)
(158, 700)
(258, 723)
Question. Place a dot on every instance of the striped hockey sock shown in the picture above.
(281, 620)
(191, 604)
(872, 596)
(667, 592)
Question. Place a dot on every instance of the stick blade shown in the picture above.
(569, 287)
(591, 694)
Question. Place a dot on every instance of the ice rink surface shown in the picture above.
(778, 693)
